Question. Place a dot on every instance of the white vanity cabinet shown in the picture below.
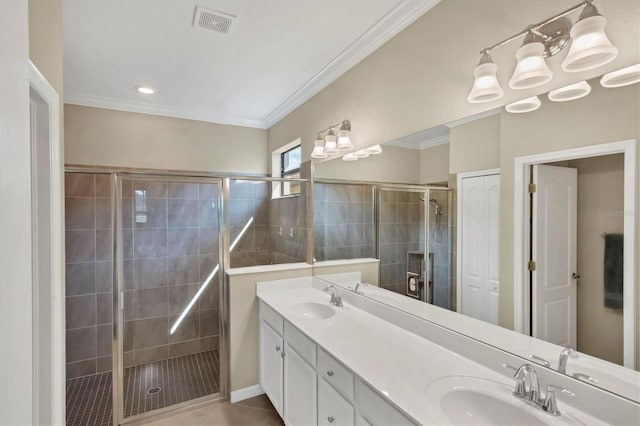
(308, 386)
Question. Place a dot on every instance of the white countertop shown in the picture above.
(396, 362)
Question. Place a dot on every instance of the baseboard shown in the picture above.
(246, 393)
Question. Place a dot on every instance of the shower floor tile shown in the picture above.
(146, 387)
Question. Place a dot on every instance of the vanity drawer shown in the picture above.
(333, 409)
(375, 410)
(271, 317)
(336, 374)
(305, 347)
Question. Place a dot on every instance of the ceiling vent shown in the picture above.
(213, 20)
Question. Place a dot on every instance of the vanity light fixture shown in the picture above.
(570, 92)
(331, 143)
(327, 143)
(486, 87)
(344, 136)
(524, 105)
(590, 46)
(350, 157)
(145, 90)
(622, 77)
(318, 149)
(531, 70)
(363, 153)
(589, 49)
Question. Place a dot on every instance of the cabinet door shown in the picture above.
(271, 365)
(333, 409)
(300, 390)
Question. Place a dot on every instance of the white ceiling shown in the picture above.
(278, 54)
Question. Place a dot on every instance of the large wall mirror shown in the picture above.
(518, 229)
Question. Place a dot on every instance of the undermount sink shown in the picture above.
(313, 310)
(466, 400)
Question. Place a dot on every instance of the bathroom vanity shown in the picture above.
(368, 363)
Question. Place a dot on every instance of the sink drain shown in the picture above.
(154, 390)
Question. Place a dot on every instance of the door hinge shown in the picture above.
(532, 188)
(532, 265)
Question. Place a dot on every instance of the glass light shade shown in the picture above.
(350, 157)
(590, 46)
(331, 144)
(532, 69)
(344, 140)
(485, 86)
(376, 149)
(622, 77)
(524, 105)
(570, 92)
(361, 154)
(318, 149)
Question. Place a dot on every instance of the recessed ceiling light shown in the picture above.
(570, 92)
(623, 77)
(524, 105)
(145, 90)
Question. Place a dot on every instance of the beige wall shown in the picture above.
(104, 137)
(375, 168)
(414, 82)
(369, 270)
(475, 145)
(244, 361)
(600, 189)
(434, 164)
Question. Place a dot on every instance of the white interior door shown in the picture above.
(554, 224)
(480, 235)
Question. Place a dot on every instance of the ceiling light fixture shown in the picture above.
(524, 105)
(145, 90)
(622, 77)
(570, 92)
(589, 49)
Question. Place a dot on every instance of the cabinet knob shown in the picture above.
(330, 419)
(329, 373)
(277, 348)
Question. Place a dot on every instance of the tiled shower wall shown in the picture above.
(88, 256)
(343, 221)
(170, 248)
(401, 230)
(276, 231)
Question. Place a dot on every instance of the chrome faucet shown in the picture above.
(564, 357)
(363, 284)
(532, 394)
(527, 374)
(336, 299)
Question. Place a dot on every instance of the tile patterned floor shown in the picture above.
(178, 379)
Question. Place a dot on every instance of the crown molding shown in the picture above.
(430, 143)
(474, 117)
(143, 108)
(403, 15)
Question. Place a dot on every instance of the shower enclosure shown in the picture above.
(146, 299)
(406, 267)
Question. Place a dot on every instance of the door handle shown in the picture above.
(575, 276)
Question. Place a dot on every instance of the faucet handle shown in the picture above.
(550, 404)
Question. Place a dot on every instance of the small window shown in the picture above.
(290, 168)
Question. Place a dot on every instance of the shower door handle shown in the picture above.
(121, 300)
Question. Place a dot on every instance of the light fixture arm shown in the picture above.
(534, 28)
(343, 125)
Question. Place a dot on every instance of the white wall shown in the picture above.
(104, 137)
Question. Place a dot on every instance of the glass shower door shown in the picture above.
(169, 284)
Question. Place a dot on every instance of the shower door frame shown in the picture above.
(117, 177)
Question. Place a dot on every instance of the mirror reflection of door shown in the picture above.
(576, 241)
